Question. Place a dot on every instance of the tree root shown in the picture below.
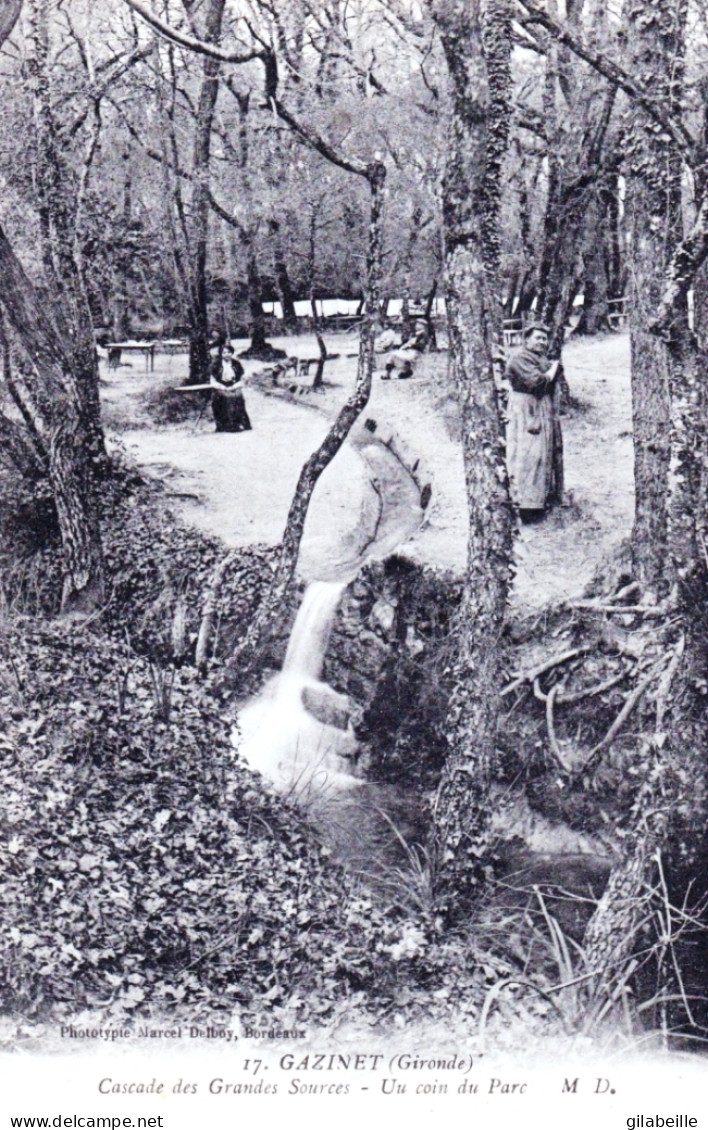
(611, 607)
(665, 682)
(555, 697)
(553, 742)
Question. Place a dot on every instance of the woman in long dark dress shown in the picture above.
(227, 400)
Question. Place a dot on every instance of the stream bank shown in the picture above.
(386, 657)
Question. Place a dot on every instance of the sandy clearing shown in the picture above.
(241, 485)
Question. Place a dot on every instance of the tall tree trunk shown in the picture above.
(58, 419)
(259, 347)
(669, 812)
(594, 317)
(198, 310)
(119, 297)
(476, 42)
(282, 278)
(58, 209)
(614, 234)
(552, 272)
(654, 205)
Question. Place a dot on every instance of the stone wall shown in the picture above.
(388, 652)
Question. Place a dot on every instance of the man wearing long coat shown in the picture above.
(533, 439)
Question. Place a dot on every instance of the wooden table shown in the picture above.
(120, 347)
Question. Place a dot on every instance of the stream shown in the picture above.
(298, 733)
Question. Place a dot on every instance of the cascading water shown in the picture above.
(296, 733)
(311, 630)
(279, 737)
(286, 732)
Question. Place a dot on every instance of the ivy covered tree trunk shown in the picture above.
(51, 402)
(668, 819)
(475, 39)
(57, 206)
(656, 33)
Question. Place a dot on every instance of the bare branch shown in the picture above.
(8, 18)
(122, 66)
(318, 143)
(181, 39)
(522, 37)
(162, 159)
(684, 141)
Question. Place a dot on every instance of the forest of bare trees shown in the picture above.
(169, 168)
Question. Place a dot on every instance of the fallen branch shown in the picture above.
(628, 590)
(620, 609)
(625, 712)
(556, 661)
(586, 692)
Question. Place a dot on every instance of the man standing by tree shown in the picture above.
(532, 435)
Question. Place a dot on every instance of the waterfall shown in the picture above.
(276, 735)
(313, 624)
(297, 732)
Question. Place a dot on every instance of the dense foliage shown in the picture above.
(143, 866)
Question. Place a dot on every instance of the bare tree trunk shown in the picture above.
(70, 479)
(56, 408)
(476, 42)
(259, 347)
(58, 210)
(120, 310)
(270, 610)
(282, 278)
(614, 235)
(198, 309)
(550, 274)
(429, 319)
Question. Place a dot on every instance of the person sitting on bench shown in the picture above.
(227, 400)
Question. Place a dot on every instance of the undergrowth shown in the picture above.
(144, 871)
(143, 866)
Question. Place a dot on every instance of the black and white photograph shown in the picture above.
(354, 562)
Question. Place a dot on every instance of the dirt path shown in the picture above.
(238, 487)
(557, 559)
